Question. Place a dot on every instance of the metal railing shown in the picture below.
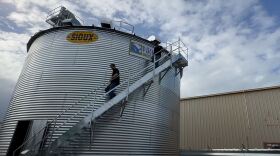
(53, 124)
(124, 26)
(56, 11)
(124, 85)
(120, 88)
(178, 47)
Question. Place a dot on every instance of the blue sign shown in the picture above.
(148, 51)
(141, 50)
(136, 48)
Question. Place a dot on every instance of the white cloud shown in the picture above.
(12, 54)
(31, 14)
(4, 23)
(233, 44)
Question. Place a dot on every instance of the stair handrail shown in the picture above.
(53, 121)
(126, 81)
(49, 124)
(105, 94)
(82, 108)
(88, 94)
(115, 88)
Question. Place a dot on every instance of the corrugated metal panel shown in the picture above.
(234, 120)
(58, 73)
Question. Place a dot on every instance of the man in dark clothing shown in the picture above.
(114, 81)
(157, 53)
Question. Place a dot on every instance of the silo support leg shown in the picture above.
(146, 89)
(162, 76)
(123, 107)
(92, 126)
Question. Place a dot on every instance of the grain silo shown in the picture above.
(59, 106)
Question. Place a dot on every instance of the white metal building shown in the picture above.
(247, 119)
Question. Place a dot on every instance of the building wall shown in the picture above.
(58, 73)
(245, 119)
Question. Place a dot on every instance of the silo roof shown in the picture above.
(40, 33)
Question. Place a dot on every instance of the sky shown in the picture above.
(233, 44)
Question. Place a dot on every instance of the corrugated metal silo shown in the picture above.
(62, 72)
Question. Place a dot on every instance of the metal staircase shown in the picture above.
(84, 118)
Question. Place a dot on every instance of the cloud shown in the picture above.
(244, 51)
(12, 54)
(233, 44)
(5, 24)
(31, 14)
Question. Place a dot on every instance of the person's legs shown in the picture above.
(112, 93)
(157, 62)
(107, 88)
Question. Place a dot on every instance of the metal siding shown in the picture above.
(145, 129)
(245, 119)
(264, 117)
(58, 73)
